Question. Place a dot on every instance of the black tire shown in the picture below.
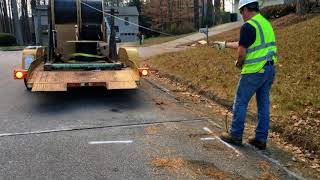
(26, 84)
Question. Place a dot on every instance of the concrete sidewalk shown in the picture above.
(177, 45)
(198, 36)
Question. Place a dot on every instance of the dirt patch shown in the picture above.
(216, 146)
(268, 176)
(199, 168)
(207, 169)
(172, 164)
(161, 104)
(266, 172)
(263, 165)
(193, 168)
(151, 130)
(195, 135)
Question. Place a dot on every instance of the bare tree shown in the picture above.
(196, 13)
(217, 16)
(302, 7)
(25, 22)
(16, 21)
(161, 15)
(6, 26)
(10, 16)
(210, 13)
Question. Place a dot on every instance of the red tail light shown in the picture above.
(144, 71)
(20, 74)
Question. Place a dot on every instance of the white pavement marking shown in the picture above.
(110, 142)
(215, 124)
(208, 130)
(207, 139)
(228, 145)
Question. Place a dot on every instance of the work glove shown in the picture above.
(220, 45)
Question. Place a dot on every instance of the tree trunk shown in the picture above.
(170, 10)
(210, 13)
(6, 19)
(10, 16)
(217, 17)
(25, 19)
(196, 13)
(302, 7)
(1, 18)
(203, 14)
(33, 4)
(17, 26)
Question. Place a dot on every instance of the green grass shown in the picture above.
(296, 91)
(11, 48)
(160, 39)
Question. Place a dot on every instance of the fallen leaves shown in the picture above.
(200, 168)
(295, 95)
(268, 176)
(173, 164)
(151, 130)
(299, 154)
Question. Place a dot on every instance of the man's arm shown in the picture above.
(241, 56)
(232, 45)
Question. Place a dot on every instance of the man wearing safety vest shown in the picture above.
(256, 58)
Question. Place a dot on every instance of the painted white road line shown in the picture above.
(207, 139)
(208, 130)
(110, 142)
(229, 146)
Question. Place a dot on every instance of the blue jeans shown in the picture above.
(250, 84)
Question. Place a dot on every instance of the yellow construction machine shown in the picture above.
(80, 52)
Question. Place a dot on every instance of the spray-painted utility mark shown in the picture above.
(208, 130)
(226, 144)
(229, 146)
(207, 139)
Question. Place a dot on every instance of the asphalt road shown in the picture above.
(94, 134)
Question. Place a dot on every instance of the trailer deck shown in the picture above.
(41, 80)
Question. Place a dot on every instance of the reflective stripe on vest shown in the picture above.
(262, 46)
(263, 43)
(263, 49)
(268, 57)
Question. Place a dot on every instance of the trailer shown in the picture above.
(80, 53)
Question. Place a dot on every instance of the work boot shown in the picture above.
(229, 139)
(258, 144)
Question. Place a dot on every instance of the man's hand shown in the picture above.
(241, 57)
(220, 45)
(238, 64)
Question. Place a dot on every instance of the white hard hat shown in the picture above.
(245, 2)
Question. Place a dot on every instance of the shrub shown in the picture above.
(276, 11)
(7, 39)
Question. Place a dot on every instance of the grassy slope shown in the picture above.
(295, 95)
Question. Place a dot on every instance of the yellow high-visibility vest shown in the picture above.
(263, 49)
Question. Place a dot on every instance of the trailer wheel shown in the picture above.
(26, 84)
